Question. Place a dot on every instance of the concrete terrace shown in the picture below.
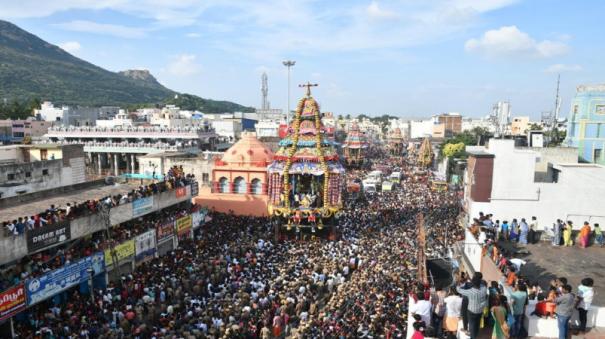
(41, 204)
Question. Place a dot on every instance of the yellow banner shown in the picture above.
(123, 251)
(184, 224)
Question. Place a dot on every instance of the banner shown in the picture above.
(48, 285)
(180, 192)
(48, 235)
(195, 189)
(12, 301)
(142, 206)
(165, 231)
(183, 227)
(123, 251)
(145, 246)
(196, 218)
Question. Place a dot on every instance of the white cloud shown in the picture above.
(184, 65)
(560, 68)
(107, 29)
(70, 46)
(509, 41)
(193, 35)
(375, 12)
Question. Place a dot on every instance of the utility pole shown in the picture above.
(288, 64)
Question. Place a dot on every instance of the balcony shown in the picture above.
(15, 247)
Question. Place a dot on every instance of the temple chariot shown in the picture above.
(355, 147)
(396, 143)
(306, 179)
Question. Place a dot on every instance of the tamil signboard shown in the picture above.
(12, 301)
(195, 189)
(142, 206)
(183, 227)
(48, 235)
(122, 251)
(145, 247)
(48, 285)
(165, 231)
(180, 192)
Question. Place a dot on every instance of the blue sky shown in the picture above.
(401, 57)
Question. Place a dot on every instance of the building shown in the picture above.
(74, 116)
(116, 150)
(239, 179)
(586, 126)
(17, 131)
(519, 126)
(267, 128)
(514, 182)
(452, 124)
(469, 124)
(120, 120)
(420, 129)
(32, 168)
(501, 116)
(200, 164)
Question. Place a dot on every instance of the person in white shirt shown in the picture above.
(422, 308)
(585, 294)
(453, 309)
(517, 263)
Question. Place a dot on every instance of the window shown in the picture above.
(256, 186)
(10, 176)
(240, 185)
(45, 171)
(28, 174)
(600, 109)
(598, 155)
(204, 177)
(223, 185)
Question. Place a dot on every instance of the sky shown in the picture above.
(400, 57)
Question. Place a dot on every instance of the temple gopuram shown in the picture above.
(396, 143)
(306, 178)
(355, 147)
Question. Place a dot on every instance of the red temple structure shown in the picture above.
(240, 179)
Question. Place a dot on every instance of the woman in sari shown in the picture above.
(585, 235)
(499, 312)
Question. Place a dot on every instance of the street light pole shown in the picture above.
(289, 64)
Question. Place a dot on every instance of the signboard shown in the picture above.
(195, 189)
(183, 227)
(165, 231)
(142, 206)
(145, 246)
(46, 286)
(48, 235)
(123, 251)
(12, 301)
(180, 192)
(196, 218)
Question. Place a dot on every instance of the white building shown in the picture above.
(49, 112)
(32, 168)
(267, 128)
(469, 124)
(120, 120)
(501, 180)
(421, 128)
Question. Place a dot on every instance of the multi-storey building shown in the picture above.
(116, 150)
(586, 127)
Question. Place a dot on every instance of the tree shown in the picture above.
(454, 150)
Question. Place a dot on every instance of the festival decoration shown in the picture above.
(305, 176)
(354, 146)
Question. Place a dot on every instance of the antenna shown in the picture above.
(557, 103)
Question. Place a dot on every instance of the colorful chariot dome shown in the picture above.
(305, 163)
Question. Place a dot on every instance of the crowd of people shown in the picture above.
(235, 281)
(557, 301)
(54, 214)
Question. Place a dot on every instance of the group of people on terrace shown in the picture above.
(557, 300)
(234, 281)
(54, 214)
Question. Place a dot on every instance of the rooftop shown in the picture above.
(545, 262)
(42, 204)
